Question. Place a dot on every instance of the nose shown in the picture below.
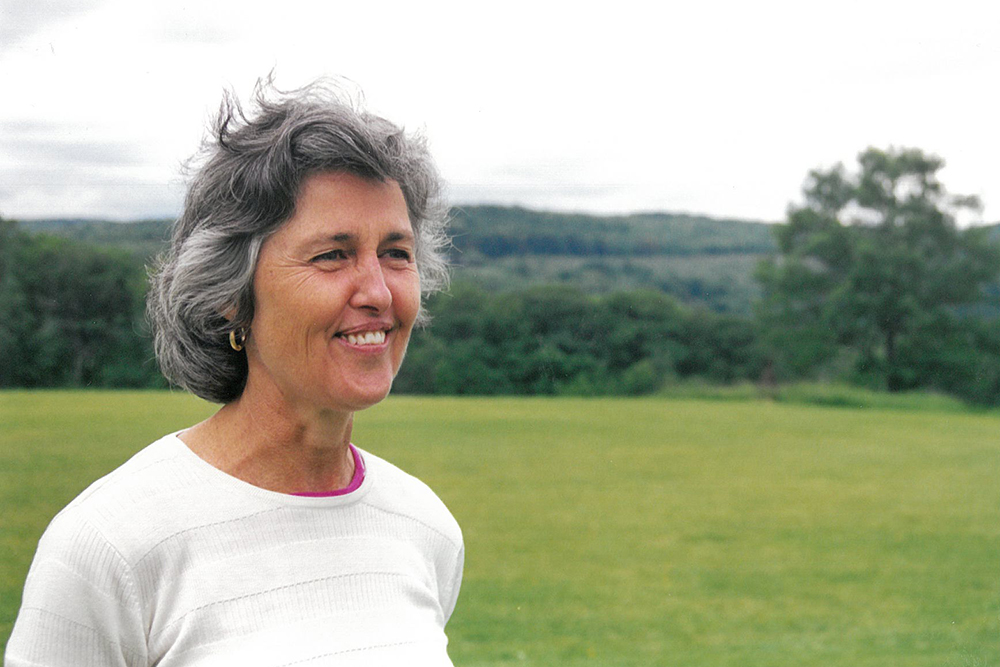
(370, 289)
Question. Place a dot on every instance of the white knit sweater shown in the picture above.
(168, 561)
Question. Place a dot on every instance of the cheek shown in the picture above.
(406, 297)
(284, 315)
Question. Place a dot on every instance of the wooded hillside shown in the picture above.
(558, 303)
(699, 260)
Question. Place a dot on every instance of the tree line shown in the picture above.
(870, 281)
(71, 314)
(557, 340)
(495, 231)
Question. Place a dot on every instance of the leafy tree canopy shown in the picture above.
(874, 264)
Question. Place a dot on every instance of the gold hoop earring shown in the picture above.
(238, 346)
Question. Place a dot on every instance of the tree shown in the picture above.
(71, 314)
(873, 264)
(15, 316)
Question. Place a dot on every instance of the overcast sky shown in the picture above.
(718, 108)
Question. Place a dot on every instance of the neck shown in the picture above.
(275, 445)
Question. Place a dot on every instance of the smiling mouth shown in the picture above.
(362, 338)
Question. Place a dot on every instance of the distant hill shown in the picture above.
(495, 231)
(700, 260)
(144, 238)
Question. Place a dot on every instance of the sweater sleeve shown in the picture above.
(449, 593)
(80, 605)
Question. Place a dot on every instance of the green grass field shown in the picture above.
(636, 532)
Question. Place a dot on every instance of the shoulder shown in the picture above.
(400, 493)
(125, 507)
(82, 599)
(150, 469)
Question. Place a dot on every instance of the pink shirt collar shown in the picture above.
(359, 476)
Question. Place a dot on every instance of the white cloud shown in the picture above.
(717, 107)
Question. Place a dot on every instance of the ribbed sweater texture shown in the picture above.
(170, 562)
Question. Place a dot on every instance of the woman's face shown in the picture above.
(336, 294)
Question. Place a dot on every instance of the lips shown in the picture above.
(370, 333)
(365, 338)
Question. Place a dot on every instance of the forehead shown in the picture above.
(335, 203)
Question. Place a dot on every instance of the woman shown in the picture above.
(262, 536)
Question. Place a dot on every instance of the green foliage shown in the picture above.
(697, 259)
(72, 314)
(873, 269)
(143, 238)
(495, 231)
(872, 284)
(570, 324)
(558, 340)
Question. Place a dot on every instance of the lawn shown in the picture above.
(636, 531)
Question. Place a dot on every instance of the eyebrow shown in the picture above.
(391, 237)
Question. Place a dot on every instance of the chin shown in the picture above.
(364, 397)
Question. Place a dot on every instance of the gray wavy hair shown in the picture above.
(251, 170)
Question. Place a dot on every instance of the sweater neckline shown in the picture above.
(352, 486)
(237, 485)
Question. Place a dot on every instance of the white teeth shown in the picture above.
(369, 338)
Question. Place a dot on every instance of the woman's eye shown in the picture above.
(330, 255)
(398, 253)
